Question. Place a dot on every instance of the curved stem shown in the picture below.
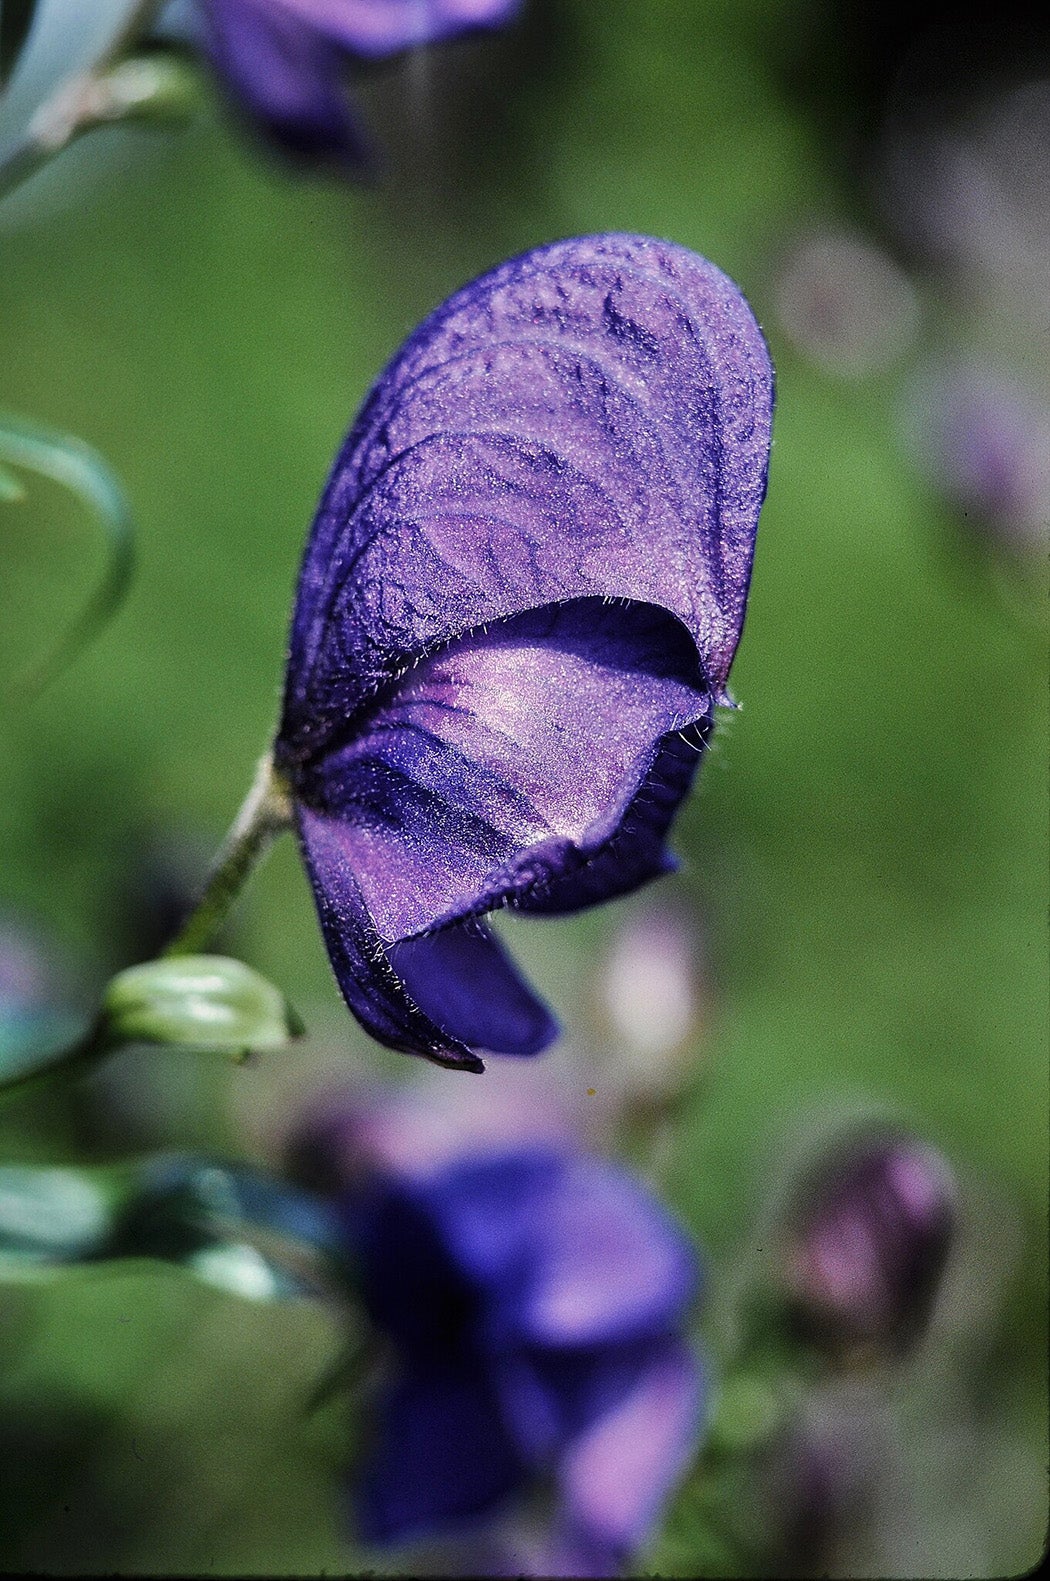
(76, 105)
(266, 812)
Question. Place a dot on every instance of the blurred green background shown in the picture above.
(869, 835)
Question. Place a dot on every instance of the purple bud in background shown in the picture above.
(964, 178)
(869, 1236)
(986, 443)
(23, 976)
(656, 1002)
(535, 1304)
(284, 61)
(820, 1483)
(516, 613)
(845, 304)
(154, 892)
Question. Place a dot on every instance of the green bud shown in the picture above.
(198, 1001)
(240, 1269)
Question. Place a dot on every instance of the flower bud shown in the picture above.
(160, 87)
(654, 1000)
(820, 1483)
(199, 1001)
(872, 1227)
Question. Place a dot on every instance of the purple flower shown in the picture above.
(284, 60)
(534, 1303)
(517, 610)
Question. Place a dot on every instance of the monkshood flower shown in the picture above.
(872, 1228)
(517, 610)
(284, 61)
(534, 1302)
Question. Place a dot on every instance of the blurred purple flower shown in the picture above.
(986, 441)
(534, 1301)
(284, 60)
(871, 1232)
(517, 610)
(845, 303)
(821, 1479)
(36, 1013)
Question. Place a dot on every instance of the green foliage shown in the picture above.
(190, 1212)
(83, 471)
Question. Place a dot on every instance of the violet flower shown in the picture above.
(534, 1301)
(284, 61)
(517, 610)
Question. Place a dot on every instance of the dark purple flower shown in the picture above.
(517, 610)
(284, 61)
(872, 1228)
(534, 1302)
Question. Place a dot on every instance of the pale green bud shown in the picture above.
(198, 1001)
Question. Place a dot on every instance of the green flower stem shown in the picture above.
(266, 813)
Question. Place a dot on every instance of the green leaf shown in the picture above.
(200, 1215)
(83, 471)
(198, 1001)
(50, 1216)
